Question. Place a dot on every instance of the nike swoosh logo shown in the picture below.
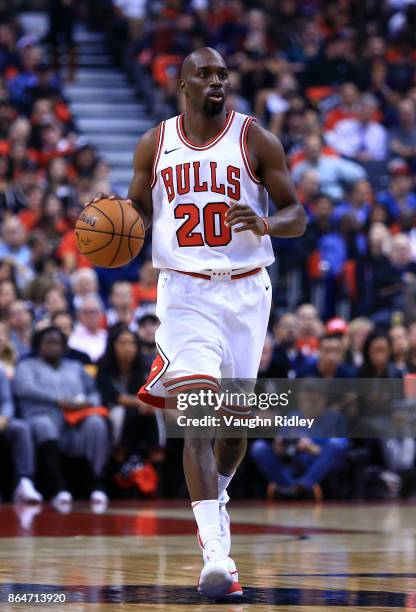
(167, 152)
(268, 287)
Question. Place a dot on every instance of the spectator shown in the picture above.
(8, 295)
(295, 467)
(7, 352)
(330, 360)
(88, 335)
(399, 347)
(399, 196)
(16, 434)
(50, 390)
(310, 329)
(20, 322)
(84, 281)
(358, 205)
(121, 300)
(332, 171)
(360, 137)
(403, 137)
(288, 359)
(120, 374)
(358, 330)
(145, 291)
(13, 244)
(63, 320)
(146, 332)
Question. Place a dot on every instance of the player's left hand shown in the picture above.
(245, 217)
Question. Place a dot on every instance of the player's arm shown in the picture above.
(140, 192)
(268, 159)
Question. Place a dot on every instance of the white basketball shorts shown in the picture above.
(210, 330)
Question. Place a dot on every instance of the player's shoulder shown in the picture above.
(262, 140)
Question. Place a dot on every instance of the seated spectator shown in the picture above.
(295, 467)
(57, 399)
(84, 281)
(7, 352)
(360, 137)
(16, 434)
(122, 310)
(403, 136)
(399, 347)
(308, 187)
(310, 329)
(20, 322)
(52, 219)
(288, 359)
(399, 196)
(120, 374)
(329, 363)
(54, 300)
(29, 215)
(378, 281)
(378, 357)
(63, 320)
(146, 331)
(358, 204)
(332, 171)
(145, 291)
(348, 107)
(88, 335)
(8, 295)
(13, 243)
(358, 330)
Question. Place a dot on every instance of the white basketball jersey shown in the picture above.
(193, 186)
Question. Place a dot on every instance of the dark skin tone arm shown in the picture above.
(268, 160)
(140, 193)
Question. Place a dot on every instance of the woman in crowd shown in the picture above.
(120, 374)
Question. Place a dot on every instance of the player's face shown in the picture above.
(207, 86)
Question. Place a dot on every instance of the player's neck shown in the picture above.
(201, 128)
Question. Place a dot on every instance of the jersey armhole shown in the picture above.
(158, 150)
(244, 150)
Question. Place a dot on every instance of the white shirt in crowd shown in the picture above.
(91, 343)
(351, 137)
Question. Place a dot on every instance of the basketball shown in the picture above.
(110, 233)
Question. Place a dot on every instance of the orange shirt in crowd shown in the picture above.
(143, 294)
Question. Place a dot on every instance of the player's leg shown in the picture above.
(250, 299)
(200, 468)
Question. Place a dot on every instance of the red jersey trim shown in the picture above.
(157, 369)
(244, 150)
(190, 377)
(210, 143)
(152, 400)
(160, 137)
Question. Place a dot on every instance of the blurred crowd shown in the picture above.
(336, 82)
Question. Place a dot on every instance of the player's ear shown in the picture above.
(182, 86)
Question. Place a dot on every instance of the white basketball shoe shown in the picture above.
(235, 589)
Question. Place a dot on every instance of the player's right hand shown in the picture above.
(101, 196)
(104, 196)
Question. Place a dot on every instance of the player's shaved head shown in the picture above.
(204, 81)
(200, 57)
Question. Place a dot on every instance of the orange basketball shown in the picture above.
(110, 233)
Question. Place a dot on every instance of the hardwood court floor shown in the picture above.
(144, 556)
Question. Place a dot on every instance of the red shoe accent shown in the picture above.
(235, 590)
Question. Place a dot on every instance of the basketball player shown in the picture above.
(202, 180)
